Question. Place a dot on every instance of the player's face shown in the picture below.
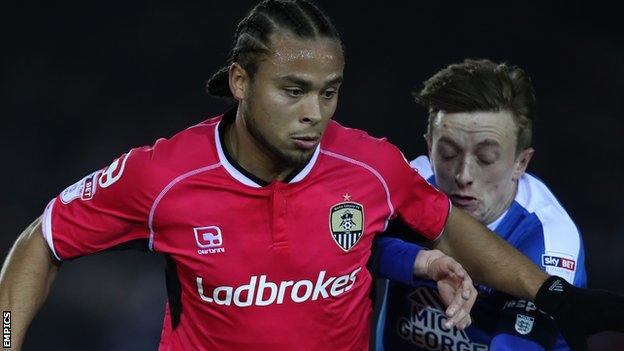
(475, 162)
(293, 96)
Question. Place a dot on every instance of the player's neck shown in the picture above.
(251, 155)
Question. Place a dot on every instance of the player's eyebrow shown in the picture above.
(291, 79)
(306, 84)
(488, 142)
(334, 81)
(449, 141)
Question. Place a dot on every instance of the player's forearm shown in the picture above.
(25, 280)
(488, 258)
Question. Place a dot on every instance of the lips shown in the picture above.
(305, 142)
(464, 201)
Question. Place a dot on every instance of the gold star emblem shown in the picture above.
(347, 197)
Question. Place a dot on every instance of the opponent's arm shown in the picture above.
(402, 262)
(454, 285)
(488, 258)
(25, 280)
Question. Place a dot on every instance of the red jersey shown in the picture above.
(251, 266)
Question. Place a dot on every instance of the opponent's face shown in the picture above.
(474, 161)
(292, 96)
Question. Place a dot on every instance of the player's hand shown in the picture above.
(454, 285)
(579, 312)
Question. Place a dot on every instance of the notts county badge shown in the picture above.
(346, 223)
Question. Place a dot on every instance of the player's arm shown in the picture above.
(428, 212)
(396, 259)
(403, 262)
(492, 261)
(521, 325)
(488, 258)
(25, 280)
(102, 211)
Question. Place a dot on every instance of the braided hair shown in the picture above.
(252, 36)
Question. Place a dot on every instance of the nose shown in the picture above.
(464, 174)
(311, 110)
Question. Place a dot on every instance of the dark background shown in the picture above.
(83, 82)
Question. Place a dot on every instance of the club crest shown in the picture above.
(346, 224)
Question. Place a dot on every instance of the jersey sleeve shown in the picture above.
(107, 209)
(396, 259)
(417, 204)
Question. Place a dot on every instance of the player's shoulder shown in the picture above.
(190, 147)
(559, 230)
(153, 166)
(358, 145)
(535, 196)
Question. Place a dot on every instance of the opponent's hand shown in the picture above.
(454, 285)
(580, 312)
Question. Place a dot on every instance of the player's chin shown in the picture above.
(296, 158)
(474, 212)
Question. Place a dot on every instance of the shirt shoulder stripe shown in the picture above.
(150, 221)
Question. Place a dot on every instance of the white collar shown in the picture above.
(236, 174)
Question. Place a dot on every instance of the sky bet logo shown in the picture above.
(554, 261)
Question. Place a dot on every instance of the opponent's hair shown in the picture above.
(481, 85)
(252, 36)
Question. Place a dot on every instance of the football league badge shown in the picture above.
(346, 223)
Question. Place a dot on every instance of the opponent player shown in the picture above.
(479, 142)
(267, 213)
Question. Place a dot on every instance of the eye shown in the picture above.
(447, 156)
(487, 159)
(294, 92)
(446, 152)
(329, 94)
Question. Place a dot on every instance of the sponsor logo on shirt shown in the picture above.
(558, 261)
(84, 189)
(424, 327)
(209, 240)
(113, 172)
(560, 264)
(346, 223)
(260, 291)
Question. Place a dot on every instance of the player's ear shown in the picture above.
(238, 78)
(522, 162)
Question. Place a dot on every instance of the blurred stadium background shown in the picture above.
(82, 82)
